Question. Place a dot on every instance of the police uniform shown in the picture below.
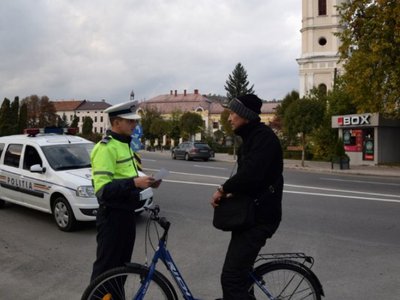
(113, 171)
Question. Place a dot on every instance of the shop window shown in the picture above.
(368, 144)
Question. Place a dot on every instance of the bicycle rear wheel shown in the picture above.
(286, 280)
(124, 282)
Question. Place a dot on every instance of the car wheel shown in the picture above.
(2, 203)
(63, 214)
(205, 159)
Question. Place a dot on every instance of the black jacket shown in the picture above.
(259, 174)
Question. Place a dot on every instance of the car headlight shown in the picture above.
(85, 191)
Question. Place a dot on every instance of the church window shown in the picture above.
(321, 7)
(322, 41)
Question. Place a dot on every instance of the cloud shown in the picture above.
(70, 49)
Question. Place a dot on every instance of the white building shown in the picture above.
(82, 109)
(318, 64)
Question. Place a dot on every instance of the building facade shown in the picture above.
(209, 110)
(318, 64)
(83, 109)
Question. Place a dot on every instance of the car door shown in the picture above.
(10, 173)
(180, 151)
(36, 191)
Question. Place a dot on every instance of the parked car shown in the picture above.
(192, 150)
(51, 173)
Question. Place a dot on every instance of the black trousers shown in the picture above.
(242, 252)
(116, 232)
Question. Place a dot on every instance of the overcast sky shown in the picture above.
(103, 49)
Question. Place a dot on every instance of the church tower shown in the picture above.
(318, 64)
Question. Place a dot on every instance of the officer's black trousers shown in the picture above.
(116, 231)
(242, 252)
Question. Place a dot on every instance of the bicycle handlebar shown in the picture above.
(162, 221)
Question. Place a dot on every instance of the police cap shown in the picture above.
(126, 110)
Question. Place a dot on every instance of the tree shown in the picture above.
(148, 117)
(22, 117)
(75, 122)
(47, 112)
(14, 111)
(371, 51)
(41, 112)
(159, 127)
(63, 121)
(175, 129)
(278, 121)
(33, 107)
(226, 126)
(6, 122)
(87, 126)
(302, 117)
(191, 123)
(237, 83)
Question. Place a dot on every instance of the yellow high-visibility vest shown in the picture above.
(111, 159)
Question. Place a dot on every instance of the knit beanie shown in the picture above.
(247, 106)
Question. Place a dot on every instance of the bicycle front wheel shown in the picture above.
(285, 280)
(124, 283)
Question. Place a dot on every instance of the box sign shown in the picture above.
(354, 120)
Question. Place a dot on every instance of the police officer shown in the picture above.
(117, 187)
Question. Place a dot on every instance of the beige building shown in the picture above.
(318, 64)
(209, 110)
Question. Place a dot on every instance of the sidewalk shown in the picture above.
(325, 167)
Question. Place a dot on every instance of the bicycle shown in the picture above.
(280, 276)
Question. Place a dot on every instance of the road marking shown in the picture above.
(190, 182)
(344, 196)
(206, 167)
(302, 193)
(190, 174)
(360, 181)
(343, 191)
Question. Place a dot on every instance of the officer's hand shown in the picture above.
(144, 182)
(156, 184)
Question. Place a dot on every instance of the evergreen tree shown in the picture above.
(87, 126)
(75, 122)
(23, 117)
(237, 83)
(14, 110)
(6, 122)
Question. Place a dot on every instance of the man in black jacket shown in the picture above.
(259, 174)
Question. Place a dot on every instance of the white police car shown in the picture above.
(51, 172)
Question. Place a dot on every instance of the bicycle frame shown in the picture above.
(163, 254)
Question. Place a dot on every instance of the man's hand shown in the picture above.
(144, 182)
(216, 197)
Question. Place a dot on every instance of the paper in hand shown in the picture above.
(161, 174)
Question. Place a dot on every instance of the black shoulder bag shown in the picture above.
(236, 212)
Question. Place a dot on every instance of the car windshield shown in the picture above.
(68, 156)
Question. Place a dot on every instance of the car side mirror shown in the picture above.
(37, 169)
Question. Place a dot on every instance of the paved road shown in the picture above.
(349, 224)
